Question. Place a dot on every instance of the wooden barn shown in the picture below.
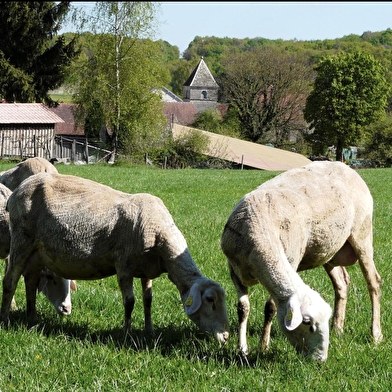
(27, 130)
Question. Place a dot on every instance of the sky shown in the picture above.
(180, 22)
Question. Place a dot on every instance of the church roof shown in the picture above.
(201, 76)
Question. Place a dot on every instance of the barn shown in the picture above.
(27, 130)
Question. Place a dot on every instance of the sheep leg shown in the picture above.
(125, 282)
(147, 301)
(269, 313)
(243, 309)
(374, 283)
(31, 275)
(13, 302)
(340, 281)
(10, 281)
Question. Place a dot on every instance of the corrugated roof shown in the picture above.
(248, 153)
(27, 113)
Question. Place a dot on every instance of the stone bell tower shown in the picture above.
(201, 88)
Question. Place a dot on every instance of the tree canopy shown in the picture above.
(350, 92)
(120, 73)
(267, 89)
(33, 60)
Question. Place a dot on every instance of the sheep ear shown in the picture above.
(293, 316)
(73, 285)
(193, 300)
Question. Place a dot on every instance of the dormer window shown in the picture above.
(204, 94)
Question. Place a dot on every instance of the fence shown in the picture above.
(46, 145)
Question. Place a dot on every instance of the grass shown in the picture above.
(62, 98)
(86, 351)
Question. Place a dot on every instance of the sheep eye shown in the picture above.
(210, 299)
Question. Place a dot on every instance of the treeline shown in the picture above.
(214, 50)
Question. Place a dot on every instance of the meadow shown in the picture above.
(86, 351)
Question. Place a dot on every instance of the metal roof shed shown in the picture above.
(27, 130)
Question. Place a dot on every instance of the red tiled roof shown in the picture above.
(184, 113)
(65, 111)
(27, 113)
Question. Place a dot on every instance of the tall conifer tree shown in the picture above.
(33, 60)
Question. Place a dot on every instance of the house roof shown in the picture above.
(169, 96)
(247, 153)
(27, 113)
(183, 113)
(66, 112)
(201, 76)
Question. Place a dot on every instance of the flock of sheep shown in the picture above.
(52, 233)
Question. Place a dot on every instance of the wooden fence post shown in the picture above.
(73, 151)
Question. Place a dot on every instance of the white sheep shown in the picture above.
(85, 230)
(55, 288)
(11, 178)
(320, 214)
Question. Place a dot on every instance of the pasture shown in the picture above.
(86, 351)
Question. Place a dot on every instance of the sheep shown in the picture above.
(55, 288)
(319, 214)
(11, 178)
(85, 230)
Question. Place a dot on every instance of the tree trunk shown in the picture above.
(339, 151)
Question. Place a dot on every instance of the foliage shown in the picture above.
(378, 142)
(267, 90)
(185, 151)
(31, 62)
(212, 121)
(350, 91)
(87, 350)
(118, 76)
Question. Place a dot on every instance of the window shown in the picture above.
(204, 94)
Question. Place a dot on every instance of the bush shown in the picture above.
(186, 151)
(378, 143)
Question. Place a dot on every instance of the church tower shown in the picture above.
(201, 88)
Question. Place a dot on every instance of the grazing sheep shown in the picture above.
(85, 230)
(320, 214)
(11, 178)
(55, 288)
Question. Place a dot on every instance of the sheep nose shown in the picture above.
(64, 310)
(222, 337)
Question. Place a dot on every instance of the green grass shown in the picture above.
(86, 351)
(62, 98)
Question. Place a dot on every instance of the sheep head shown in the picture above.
(205, 305)
(305, 322)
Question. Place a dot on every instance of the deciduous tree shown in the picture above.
(267, 88)
(122, 70)
(350, 91)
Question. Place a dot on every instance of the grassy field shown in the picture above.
(86, 351)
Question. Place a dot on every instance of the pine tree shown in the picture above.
(33, 59)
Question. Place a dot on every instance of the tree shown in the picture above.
(378, 142)
(32, 61)
(120, 75)
(267, 89)
(350, 91)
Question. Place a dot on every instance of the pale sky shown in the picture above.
(180, 22)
